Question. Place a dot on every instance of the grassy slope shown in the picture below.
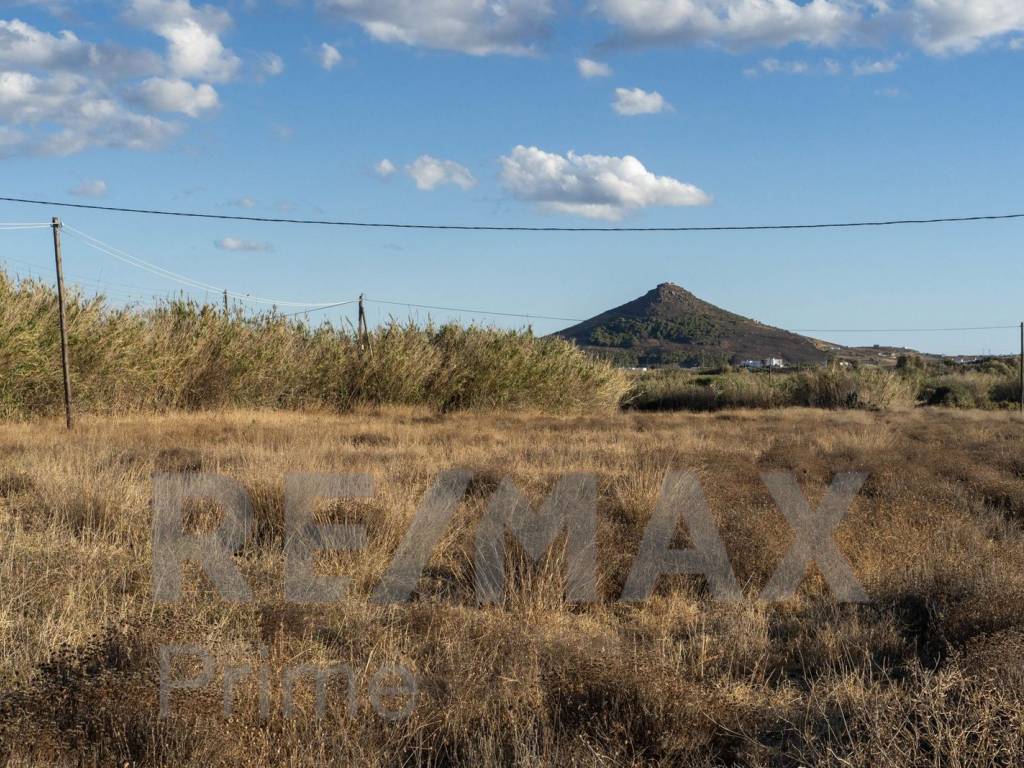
(929, 674)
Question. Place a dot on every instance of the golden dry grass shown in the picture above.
(928, 674)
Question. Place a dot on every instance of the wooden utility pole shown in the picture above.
(364, 331)
(1022, 367)
(63, 322)
(225, 302)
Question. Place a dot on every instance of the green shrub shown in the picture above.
(1006, 390)
(956, 395)
(966, 390)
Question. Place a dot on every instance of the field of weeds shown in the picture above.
(929, 673)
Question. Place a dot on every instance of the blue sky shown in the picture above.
(533, 112)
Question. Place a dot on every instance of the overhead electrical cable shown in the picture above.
(491, 228)
(311, 307)
(140, 263)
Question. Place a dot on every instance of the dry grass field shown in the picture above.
(930, 673)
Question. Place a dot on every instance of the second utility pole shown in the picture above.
(363, 331)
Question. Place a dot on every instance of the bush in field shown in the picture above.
(998, 367)
(1006, 390)
(968, 390)
(830, 387)
(910, 363)
(748, 390)
(871, 388)
(672, 391)
(680, 391)
(183, 355)
(953, 395)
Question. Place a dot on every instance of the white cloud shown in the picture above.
(636, 101)
(160, 95)
(880, 67)
(889, 93)
(960, 26)
(83, 113)
(23, 46)
(243, 202)
(1017, 44)
(194, 47)
(733, 23)
(94, 188)
(330, 57)
(237, 244)
(68, 90)
(594, 186)
(589, 68)
(470, 26)
(833, 67)
(774, 66)
(938, 27)
(429, 173)
(385, 168)
(271, 64)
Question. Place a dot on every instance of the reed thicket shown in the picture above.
(184, 355)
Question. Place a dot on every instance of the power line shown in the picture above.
(798, 330)
(463, 310)
(136, 289)
(321, 309)
(905, 330)
(155, 269)
(311, 307)
(474, 311)
(22, 272)
(477, 228)
(146, 266)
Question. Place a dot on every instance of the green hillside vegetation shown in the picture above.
(671, 326)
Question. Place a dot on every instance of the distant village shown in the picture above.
(755, 365)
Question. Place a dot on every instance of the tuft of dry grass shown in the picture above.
(928, 674)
